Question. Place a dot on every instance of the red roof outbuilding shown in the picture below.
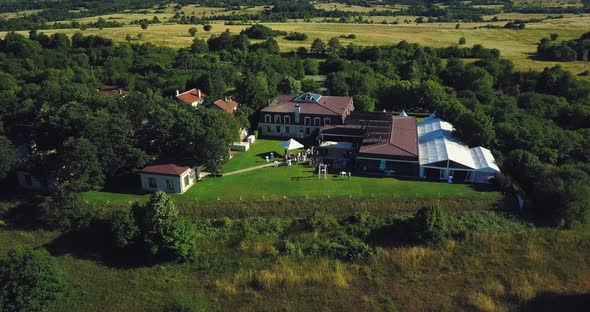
(191, 96)
(227, 104)
(165, 169)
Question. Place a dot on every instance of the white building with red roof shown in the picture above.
(194, 97)
(170, 178)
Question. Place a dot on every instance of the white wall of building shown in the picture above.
(179, 183)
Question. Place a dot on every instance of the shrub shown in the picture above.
(30, 280)
(207, 27)
(321, 221)
(296, 36)
(124, 230)
(462, 40)
(429, 225)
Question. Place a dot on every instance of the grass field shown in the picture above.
(516, 45)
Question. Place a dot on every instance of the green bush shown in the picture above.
(429, 225)
(30, 280)
(321, 221)
(123, 228)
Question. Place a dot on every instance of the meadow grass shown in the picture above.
(486, 272)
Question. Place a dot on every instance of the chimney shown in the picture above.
(177, 93)
(225, 98)
(199, 93)
(120, 91)
(296, 111)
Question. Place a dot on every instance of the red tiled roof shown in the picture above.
(400, 141)
(191, 96)
(326, 105)
(228, 105)
(165, 169)
(110, 91)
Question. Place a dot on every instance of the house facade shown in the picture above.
(303, 115)
(169, 178)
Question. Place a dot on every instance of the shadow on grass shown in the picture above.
(277, 156)
(93, 243)
(126, 184)
(546, 302)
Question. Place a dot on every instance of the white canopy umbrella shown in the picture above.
(291, 144)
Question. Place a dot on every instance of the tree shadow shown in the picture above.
(396, 234)
(94, 243)
(277, 156)
(125, 184)
(549, 301)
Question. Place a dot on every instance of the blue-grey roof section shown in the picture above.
(308, 97)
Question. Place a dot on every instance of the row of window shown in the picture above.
(306, 121)
(287, 130)
(169, 183)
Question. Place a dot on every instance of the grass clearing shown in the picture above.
(300, 182)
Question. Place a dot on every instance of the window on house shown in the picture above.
(28, 179)
(286, 129)
(307, 131)
(267, 118)
(277, 119)
(278, 129)
(186, 181)
(316, 121)
(307, 121)
(152, 182)
(169, 185)
(327, 121)
(268, 129)
(287, 119)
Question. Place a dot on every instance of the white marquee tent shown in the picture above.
(291, 144)
(442, 153)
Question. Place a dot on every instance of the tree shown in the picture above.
(334, 47)
(199, 46)
(165, 234)
(192, 31)
(144, 24)
(7, 157)
(311, 66)
(364, 103)
(128, 38)
(318, 47)
(252, 90)
(462, 41)
(429, 225)
(30, 280)
(289, 85)
(554, 36)
(457, 26)
(207, 27)
(79, 165)
(160, 214)
(124, 229)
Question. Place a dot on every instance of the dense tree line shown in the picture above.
(565, 51)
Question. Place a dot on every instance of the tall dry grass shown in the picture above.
(287, 274)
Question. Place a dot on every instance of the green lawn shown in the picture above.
(298, 182)
(254, 156)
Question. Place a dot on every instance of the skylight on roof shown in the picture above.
(308, 97)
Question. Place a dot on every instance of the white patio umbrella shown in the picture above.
(291, 144)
